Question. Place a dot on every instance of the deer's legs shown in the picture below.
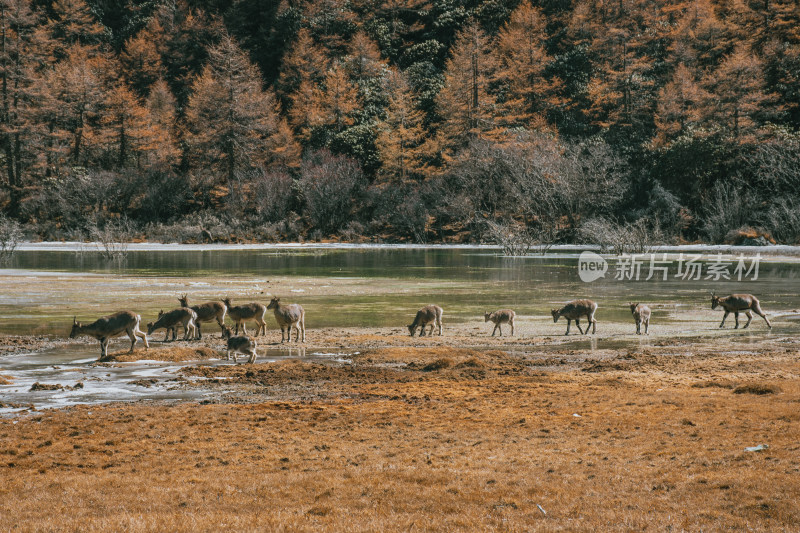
(103, 347)
(646, 326)
(723, 319)
(511, 323)
(303, 326)
(132, 335)
(749, 318)
(638, 327)
(568, 323)
(495, 330)
(578, 323)
(439, 321)
(198, 333)
(759, 312)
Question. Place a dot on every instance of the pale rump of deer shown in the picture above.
(289, 316)
(501, 316)
(240, 313)
(575, 310)
(239, 344)
(430, 314)
(735, 303)
(103, 329)
(169, 321)
(206, 312)
(641, 314)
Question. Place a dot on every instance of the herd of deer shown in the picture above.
(292, 316)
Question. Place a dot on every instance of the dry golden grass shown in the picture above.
(389, 443)
(5, 380)
(169, 353)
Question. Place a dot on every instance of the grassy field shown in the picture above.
(431, 438)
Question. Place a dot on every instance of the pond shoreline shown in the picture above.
(88, 247)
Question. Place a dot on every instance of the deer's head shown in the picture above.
(184, 300)
(76, 326)
(486, 316)
(555, 314)
(273, 304)
(226, 332)
(715, 301)
(633, 307)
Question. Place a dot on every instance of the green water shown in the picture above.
(42, 290)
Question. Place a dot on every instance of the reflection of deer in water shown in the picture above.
(736, 303)
(109, 326)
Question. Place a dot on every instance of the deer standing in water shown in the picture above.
(289, 316)
(736, 303)
(239, 344)
(501, 316)
(641, 314)
(169, 321)
(206, 312)
(430, 314)
(240, 313)
(575, 310)
(109, 326)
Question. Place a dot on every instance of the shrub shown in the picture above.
(330, 186)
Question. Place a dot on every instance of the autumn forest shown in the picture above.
(401, 120)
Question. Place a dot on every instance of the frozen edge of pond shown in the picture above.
(74, 246)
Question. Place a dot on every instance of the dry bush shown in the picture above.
(756, 388)
(513, 238)
(112, 237)
(330, 186)
(637, 237)
(10, 236)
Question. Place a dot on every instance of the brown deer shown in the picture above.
(736, 303)
(289, 316)
(430, 314)
(239, 344)
(501, 316)
(574, 310)
(641, 314)
(109, 326)
(240, 313)
(169, 321)
(206, 312)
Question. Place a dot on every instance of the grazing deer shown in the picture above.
(206, 312)
(240, 313)
(574, 310)
(430, 314)
(501, 316)
(289, 316)
(109, 326)
(169, 321)
(641, 314)
(739, 302)
(239, 344)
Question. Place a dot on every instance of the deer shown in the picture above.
(574, 310)
(289, 316)
(170, 320)
(240, 313)
(239, 344)
(430, 314)
(206, 312)
(736, 303)
(641, 314)
(109, 326)
(501, 316)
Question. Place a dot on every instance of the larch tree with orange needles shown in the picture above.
(401, 134)
(161, 112)
(525, 91)
(680, 105)
(466, 107)
(229, 116)
(737, 92)
(141, 59)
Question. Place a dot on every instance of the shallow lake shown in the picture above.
(350, 287)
